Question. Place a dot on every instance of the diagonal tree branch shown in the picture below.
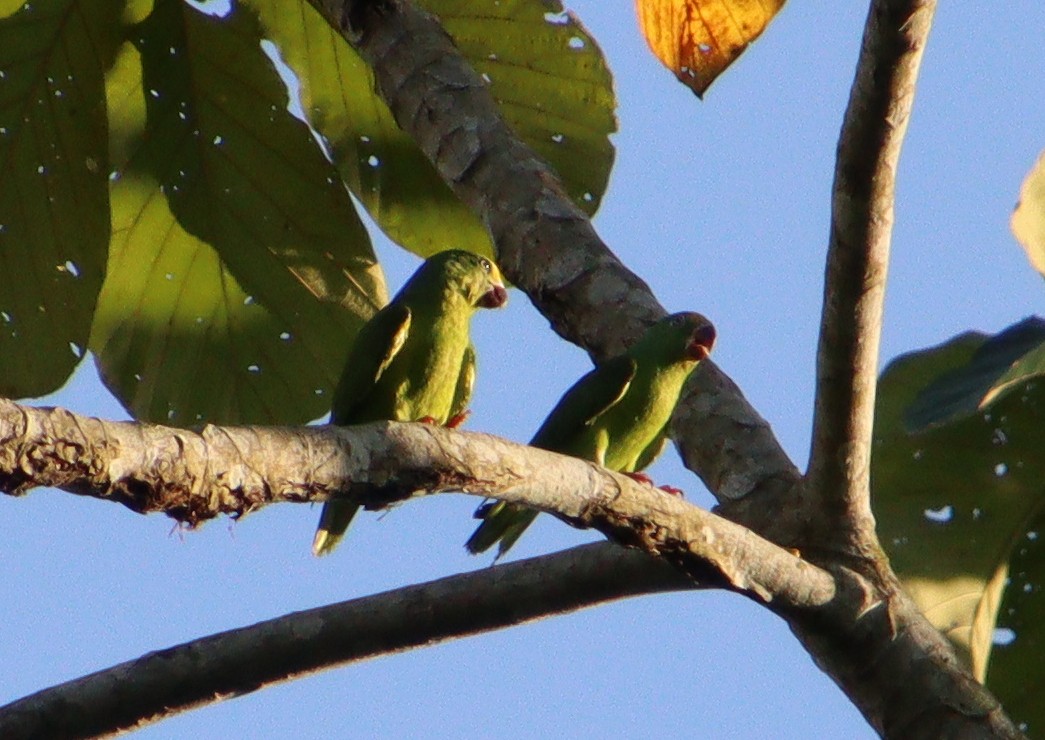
(182, 677)
(858, 258)
(440, 101)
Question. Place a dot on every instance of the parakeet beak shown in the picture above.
(701, 342)
(495, 297)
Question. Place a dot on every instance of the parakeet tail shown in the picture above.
(333, 523)
(503, 523)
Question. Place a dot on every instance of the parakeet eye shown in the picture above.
(485, 264)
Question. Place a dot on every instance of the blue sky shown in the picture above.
(723, 207)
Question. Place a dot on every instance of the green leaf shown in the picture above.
(545, 70)
(1028, 220)
(549, 78)
(954, 506)
(239, 271)
(54, 202)
(1016, 672)
(1003, 363)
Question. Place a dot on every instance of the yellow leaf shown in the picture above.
(1028, 220)
(698, 39)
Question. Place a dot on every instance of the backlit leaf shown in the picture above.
(54, 201)
(239, 271)
(543, 68)
(699, 39)
(1028, 220)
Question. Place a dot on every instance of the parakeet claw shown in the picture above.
(428, 420)
(643, 478)
(458, 419)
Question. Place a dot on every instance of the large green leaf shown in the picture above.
(239, 271)
(1002, 364)
(544, 70)
(954, 507)
(1028, 220)
(54, 202)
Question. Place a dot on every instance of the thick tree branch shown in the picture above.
(858, 258)
(163, 683)
(233, 470)
(439, 100)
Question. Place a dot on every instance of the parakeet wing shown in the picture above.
(588, 398)
(377, 344)
(465, 382)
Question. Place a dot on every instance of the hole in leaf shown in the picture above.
(941, 516)
(1003, 636)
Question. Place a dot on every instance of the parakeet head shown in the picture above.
(685, 336)
(471, 276)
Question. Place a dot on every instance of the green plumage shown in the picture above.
(616, 415)
(413, 360)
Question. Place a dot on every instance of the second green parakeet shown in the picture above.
(413, 361)
(616, 415)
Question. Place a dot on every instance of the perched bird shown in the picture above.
(414, 361)
(616, 415)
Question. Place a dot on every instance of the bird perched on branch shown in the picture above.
(414, 361)
(616, 415)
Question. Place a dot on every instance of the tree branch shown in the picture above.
(166, 682)
(858, 258)
(234, 470)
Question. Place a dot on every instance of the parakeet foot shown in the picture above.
(458, 419)
(640, 478)
(428, 420)
(673, 491)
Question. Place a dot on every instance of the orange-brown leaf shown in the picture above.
(698, 39)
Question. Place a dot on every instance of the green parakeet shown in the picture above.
(413, 361)
(616, 415)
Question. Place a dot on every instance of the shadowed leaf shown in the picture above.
(54, 201)
(1003, 363)
(699, 39)
(239, 271)
(954, 507)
